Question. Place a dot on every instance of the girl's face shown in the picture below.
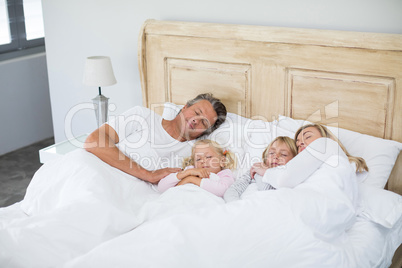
(305, 137)
(206, 157)
(279, 154)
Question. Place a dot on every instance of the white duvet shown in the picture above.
(80, 212)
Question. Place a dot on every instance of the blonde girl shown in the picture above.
(208, 167)
(280, 151)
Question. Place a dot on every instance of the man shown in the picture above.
(144, 135)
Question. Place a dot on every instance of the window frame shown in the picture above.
(17, 29)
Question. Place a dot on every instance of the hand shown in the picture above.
(198, 172)
(183, 181)
(156, 175)
(258, 168)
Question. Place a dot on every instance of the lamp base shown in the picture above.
(101, 109)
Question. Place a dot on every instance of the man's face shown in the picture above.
(197, 118)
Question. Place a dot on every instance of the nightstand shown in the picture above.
(56, 150)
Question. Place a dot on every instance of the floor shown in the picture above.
(17, 169)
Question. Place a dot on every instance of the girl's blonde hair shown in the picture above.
(282, 139)
(230, 162)
(359, 161)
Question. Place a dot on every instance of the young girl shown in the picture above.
(280, 151)
(209, 167)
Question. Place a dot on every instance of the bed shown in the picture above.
(272, 80)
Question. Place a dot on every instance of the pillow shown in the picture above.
(260, 135)
(380, 154)
(170, 110)
(379, 205)
(233, 134)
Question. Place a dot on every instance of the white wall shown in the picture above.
(76, 29)
(25, 113)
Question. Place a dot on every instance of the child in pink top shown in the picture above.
(209, 167)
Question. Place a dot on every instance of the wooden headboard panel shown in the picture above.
(345, 79)
(351, 79)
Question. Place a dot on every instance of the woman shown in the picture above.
(309, 133)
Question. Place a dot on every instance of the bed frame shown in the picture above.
(346, 79)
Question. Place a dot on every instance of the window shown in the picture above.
(21, 25)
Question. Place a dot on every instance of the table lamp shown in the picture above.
(99, 72)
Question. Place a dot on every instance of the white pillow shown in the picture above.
(380, 154)
(260, 136)
(379, 205)
(170, 110)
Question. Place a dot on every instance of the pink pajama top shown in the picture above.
(216, 183)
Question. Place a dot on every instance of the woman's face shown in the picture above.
(278, 154)
(206, 157)
(305, 137)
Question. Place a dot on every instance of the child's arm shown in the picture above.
(168, 182)
(190, 179)
(234, 192)
(262, 186)
(174, 179)
(219, 185)
(303, 165)
(258, 168)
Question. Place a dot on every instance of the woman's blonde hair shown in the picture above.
(290, 143)
(359, 161)
(230, 162)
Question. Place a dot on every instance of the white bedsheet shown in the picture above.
(98, 216)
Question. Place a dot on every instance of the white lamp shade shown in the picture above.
(99, 72)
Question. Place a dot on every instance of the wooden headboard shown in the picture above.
(353, 80)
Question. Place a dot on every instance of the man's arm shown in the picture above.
(102, 143)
